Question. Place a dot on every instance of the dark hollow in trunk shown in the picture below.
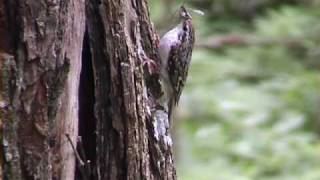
(109, 100)
(87, 121)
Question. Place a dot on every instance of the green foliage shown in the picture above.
(252, 112)
(288, 22)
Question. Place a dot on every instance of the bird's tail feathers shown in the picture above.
(171, 106)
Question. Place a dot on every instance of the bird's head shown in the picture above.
(184, 14)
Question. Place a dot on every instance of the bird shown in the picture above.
(175, 51)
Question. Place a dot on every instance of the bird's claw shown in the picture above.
(151, 65)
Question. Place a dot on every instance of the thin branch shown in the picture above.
(81, 165)
(224, 41)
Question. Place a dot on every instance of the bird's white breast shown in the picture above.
(166, 42)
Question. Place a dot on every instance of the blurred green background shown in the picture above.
(250, 109)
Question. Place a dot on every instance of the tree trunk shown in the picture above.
(41, 59)
(132, 141)
(112, 103)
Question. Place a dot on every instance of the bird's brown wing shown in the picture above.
(179, 61)
(174, 74)
(175, 71)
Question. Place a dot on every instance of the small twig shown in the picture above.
(87, 164)
(81, 165)
(75, 150)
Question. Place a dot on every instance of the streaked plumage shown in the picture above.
(175, 51)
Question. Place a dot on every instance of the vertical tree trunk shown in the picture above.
(132, 142)
(41, 45)
(125, 134)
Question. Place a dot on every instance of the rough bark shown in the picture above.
(41, 45)
(133, 140)
(40, 60)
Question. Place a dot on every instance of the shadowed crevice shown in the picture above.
(87, 121)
